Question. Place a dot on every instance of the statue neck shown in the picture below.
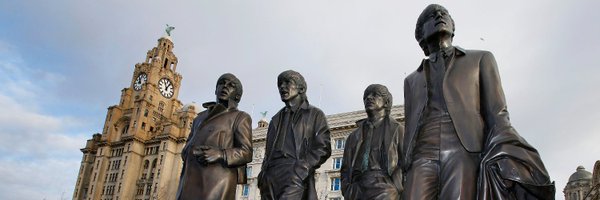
(438, 42)
(295, 102)
(375, 116)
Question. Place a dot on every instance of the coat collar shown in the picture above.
(458, 51)
(214, 108)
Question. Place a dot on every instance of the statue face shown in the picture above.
(288, 90)
(374, 102)
(438, 22)
(226, 89)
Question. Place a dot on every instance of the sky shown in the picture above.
(63, 63)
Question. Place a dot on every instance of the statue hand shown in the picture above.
(301, 169)
(211, 154)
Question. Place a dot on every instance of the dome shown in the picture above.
(580, 174)
(191, 107)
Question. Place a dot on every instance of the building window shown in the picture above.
(161, 106)
(146, 163)
(125, 129)
(337, 163)
(340, 143)
(249, 171)
(245, 190)
(335, 184)
(148, 188)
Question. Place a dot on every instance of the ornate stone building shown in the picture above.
(327, 177)
(137, 155)
(579, 184)
(584, 185)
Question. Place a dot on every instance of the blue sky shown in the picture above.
(63, 63)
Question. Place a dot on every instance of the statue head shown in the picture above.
(377, 97)
(228, 88)
(434, 20)
(291, 85)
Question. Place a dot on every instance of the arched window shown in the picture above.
(146, 163)
(125, 129)
(154, 164)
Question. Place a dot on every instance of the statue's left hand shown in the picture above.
(211, 154)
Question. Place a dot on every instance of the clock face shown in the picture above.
(166, 87)
(139, 81)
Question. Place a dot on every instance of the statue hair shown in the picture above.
(383, 92)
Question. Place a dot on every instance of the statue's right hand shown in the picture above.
(198, 152)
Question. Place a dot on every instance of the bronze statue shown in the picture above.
(218, 147)
(371, 167)
(298, 142)
(455, 116)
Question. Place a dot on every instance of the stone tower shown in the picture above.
(137, 156)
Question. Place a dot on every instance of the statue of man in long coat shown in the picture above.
(298, 142)
(456, 115)
(218, 147)
(371, 168)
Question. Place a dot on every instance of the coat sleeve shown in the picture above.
(397, 174)
(184, 152)
(320, 145)
(493, 103)
(241, 153)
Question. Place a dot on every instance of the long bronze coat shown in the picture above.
(394, 135)
(313, 144)
(473, 95)
(227, 129)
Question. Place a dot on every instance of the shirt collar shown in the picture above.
(459, 51)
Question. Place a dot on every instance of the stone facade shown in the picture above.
(327, 177)
(137, 155)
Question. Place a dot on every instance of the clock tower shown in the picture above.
(137, 155)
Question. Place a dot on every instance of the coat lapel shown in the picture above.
(214, 111)
(359, 141)
(299, 123)
(389, 129)
(458, 52)
(272, 138)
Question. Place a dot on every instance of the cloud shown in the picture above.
(38, 151)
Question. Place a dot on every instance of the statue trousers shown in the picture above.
(280, 181)
(373, 185)
(441, 167)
